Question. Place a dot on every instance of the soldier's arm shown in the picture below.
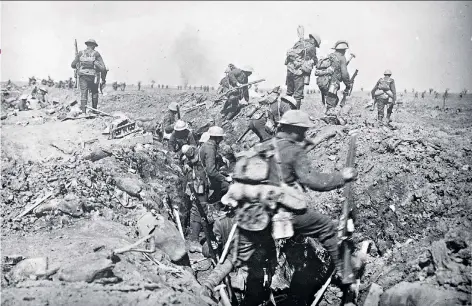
(210, 166)
(171, 143)
(374, 90)
(344, 73)
(310, 177)
(233, 81)
(394, 91)
(76, 60)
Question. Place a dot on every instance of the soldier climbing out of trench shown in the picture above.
(384, 94)
(265, 126)
(90, 66)
(288, 165)
(170, 117)
(236, 77)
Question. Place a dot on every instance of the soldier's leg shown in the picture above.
(380, 109)
(299, 85)
(389, 112)
(83, 83)
(331, 102)
(233, 108)
(94, 90)
(258, 127)
(289, 81)
(316, 225)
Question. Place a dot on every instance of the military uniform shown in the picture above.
(340, 74)
(274, 112)
(180, 138)
(256, 249)
(385, 94)
(169, 121)
(90, 65)
(235, 78)
(300, 61)
(209, 156)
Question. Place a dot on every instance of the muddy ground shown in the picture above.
(413, 197)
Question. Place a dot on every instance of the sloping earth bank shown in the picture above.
(413, 196)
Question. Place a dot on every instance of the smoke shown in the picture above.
(193, 59)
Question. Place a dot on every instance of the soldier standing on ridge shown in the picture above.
(300, 61)
(236, 77)
(90, 65)
(384, 94)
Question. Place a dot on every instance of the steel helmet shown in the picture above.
(216, 131)
(316, 37)
(248, 69)
(290, 100)
(388, 72)
(23, 97)
(173, 106)
(180, 125)
(296, 118)
(91, 42)
(341, 45)
(43, 89)
(204, 138)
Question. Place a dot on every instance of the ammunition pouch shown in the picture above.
(85, 71)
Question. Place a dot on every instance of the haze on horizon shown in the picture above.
(425, 44)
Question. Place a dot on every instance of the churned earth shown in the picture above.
(413, 194)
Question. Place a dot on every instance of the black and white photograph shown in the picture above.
(236, 153)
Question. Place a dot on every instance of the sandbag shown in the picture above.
(131, 186)
(168, 239)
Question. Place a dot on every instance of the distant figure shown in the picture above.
(167, 86)
(90, 68)
(139, 85)
(32, 81)
(300, 60)
(114, 85)
(422, 94)
(123, 86)
(384, 94)
(71, 83)
(436, 94)
(416, 95)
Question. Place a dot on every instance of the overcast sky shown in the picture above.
(425, 44)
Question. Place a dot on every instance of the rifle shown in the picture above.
(76, 72)
(210, 236)
(221, 96)
(243, 135)
(187, 110)
(346, 224)
(346, 94)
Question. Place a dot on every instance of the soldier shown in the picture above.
(422, 94)
(32, 81)
(236, 77)
(265, 126)
(114, 85)
(300, 61)
(139, 85)
(331, 71)
(170, 117)
(436, 94)
(43, 91)
(180, 136)
(123, 86)
(254, 248)
(90, 65)
(209, 156)
(384, 94)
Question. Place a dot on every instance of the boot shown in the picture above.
(388, 118)
(83, 106)
(95, 101)
(299, 103)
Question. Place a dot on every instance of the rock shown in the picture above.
(97, 154)
(406, 294)
(86, 269)
(133, 141)
(71, 205)
(29, 268)
(131, 186)
(373, 297)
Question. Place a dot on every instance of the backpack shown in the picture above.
(252, 173)
(384, 84)
(324, 75)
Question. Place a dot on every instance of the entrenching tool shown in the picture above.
(132, 247)
(350, 58)
(346, 222)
